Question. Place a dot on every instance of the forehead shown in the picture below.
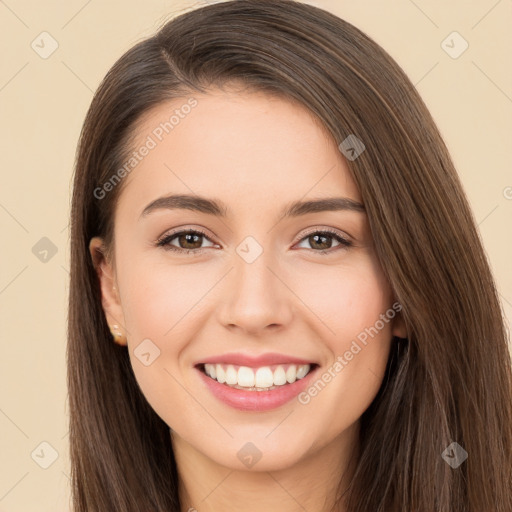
(247, 148)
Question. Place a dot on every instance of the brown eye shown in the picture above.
(322, 241)
(188, 241)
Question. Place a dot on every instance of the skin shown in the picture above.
(256, 153)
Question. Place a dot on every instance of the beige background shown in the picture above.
(43, 103)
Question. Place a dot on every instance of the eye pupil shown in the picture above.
(317, 236)
(186, 238)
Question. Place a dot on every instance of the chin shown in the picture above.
(256, 455)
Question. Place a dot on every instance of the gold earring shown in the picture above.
(117, 335)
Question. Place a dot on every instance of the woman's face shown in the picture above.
(257, 282)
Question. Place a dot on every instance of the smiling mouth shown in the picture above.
(263, 378)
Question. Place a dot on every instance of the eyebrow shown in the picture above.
(219, 209)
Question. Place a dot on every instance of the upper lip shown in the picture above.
(268, 359)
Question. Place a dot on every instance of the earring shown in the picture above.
(117, 335)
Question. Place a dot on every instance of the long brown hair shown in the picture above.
(450, 382)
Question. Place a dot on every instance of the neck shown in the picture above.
(313, 483)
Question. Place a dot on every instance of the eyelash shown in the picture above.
(166, 239)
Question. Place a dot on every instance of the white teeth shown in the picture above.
(291, 374)
(221, 375)
(256, 379)
(264, 377)
(246, 377)
(279, 376)
(231, 375)
(302, 371)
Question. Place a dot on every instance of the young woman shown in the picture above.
(279, 299)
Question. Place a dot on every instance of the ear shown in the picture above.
(110, 299)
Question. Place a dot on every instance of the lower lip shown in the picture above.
(257, 400)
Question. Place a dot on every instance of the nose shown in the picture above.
(257, 296)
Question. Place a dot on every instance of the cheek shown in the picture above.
(354, 305)
(160, 304)
(346, 298)
(158, 299)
